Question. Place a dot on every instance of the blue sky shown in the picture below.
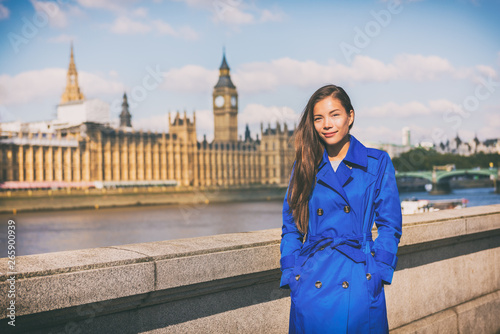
(432, 66)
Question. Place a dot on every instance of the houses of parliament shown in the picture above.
(80, 147)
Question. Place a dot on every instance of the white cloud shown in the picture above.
(190, 78)
(4, 12)
(236, 12)
(31, 85)
(492, 121)
(443, 105)
(63, 38)
(254, 114)
(188, 33)
(6, 115)
(111, 5)
(57, 17)
(204, 124)
(375, 134)
(35, 85)
(140, 12)
(95, 85)
(412, 108)
(422, 68)
(395, 110)
(487, 71)
(257, 77)
(231, 15)
(201, 3)
(58, 13)
(268, 16)
(124, 25)
(157, 123)
(113, 74)
(163, 28)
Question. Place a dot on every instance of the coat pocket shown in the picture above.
(375, 284)
(374, 280)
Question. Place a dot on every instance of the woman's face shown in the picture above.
(331, 120)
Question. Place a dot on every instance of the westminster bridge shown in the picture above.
(440, 179)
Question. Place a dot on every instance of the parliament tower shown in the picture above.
(81, 147)
(225, 104)
(72, 91)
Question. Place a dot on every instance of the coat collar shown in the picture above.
(356, 156)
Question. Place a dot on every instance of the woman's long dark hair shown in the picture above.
(308, 155)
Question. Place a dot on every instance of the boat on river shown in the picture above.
(413, 205)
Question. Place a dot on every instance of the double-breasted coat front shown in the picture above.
(336, 275)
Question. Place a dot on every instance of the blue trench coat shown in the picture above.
(336, 276)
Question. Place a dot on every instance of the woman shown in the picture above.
(337, 191)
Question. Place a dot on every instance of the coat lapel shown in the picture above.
(327, 176)
(356, 157)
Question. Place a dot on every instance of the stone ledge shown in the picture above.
(37, 322)
(427, 227)
(429, 217)
(55, 281)
(198, 263)
(479, 315)
(47, 264)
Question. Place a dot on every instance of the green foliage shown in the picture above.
(420, 159)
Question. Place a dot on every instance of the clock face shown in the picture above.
(233, 101)
(219, 101)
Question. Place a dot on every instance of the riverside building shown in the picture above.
(81, 147)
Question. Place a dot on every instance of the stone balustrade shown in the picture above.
(447, 280)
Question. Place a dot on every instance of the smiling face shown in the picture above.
(332, 121)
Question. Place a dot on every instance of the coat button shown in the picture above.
(318, 284)
(320, 212)
(345, 284)
(368, 276)
(297, 277)
(347, 209)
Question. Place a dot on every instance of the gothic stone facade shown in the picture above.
(93, 152)
(97, 152)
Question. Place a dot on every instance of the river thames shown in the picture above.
(44, 232)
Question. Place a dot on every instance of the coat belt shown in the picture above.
(349, 245)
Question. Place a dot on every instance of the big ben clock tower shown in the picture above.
(225, 100)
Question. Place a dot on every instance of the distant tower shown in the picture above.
(247, 134)
(72, 91)
(183, 127)
(406, 136)
(125, 117)
(225, 104)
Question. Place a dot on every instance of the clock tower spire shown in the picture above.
(225, 104)
(72, 91)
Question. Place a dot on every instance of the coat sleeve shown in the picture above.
(388, 220)
(291, 242)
